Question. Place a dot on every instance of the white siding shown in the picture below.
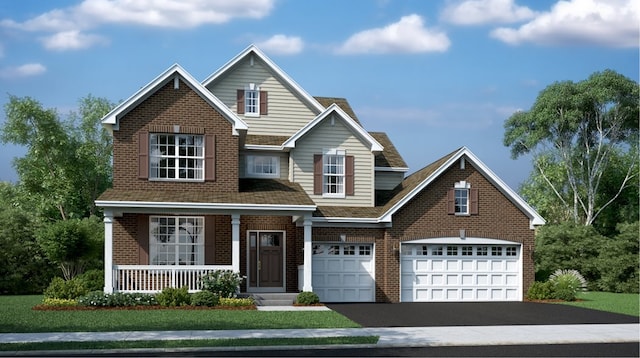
(388, 180)
(325, 136)
(286, 112)
(284, 162)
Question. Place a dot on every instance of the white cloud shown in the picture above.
(26, 70)
(282, 45)
(609, 23)
(70, 23)
(71, 40)
(409, 35)
(476, 12)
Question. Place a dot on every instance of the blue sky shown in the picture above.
(435, 75)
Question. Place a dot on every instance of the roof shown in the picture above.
(256, 192)
(174, 72)
(389, 157)
(342, 103)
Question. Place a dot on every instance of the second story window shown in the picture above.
(333, 172)
(462, 199)
(176, 156)
(251, 101)
(263, 166)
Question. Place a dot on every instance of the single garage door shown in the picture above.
(455, 272)
(343, 272)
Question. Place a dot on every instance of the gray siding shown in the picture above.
(388, 180)
(325, 136)
(286, 112)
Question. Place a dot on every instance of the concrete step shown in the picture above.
(274, 299)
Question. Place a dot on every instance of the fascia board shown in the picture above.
(391, 169)
(346, 220)
(272, 65)
(113, 117)
(458, 240)
(374, 145)
(203, 206)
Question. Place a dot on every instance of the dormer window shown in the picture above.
(252, 101)
(462, 199)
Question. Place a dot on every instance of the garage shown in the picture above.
(343, 272)
(460, 270)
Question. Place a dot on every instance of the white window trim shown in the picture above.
(249, 167)
(177, 158)
(153, 245)
(335, 152)
(252, 88)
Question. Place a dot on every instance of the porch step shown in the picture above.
(274, 299)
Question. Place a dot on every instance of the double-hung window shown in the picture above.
(263, 166)
(176, 240)
(333, 173)
(252, 101)
(176, 156)
(462, 199)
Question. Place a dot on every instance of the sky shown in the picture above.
(434, 75)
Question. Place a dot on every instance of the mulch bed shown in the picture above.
(140, 308)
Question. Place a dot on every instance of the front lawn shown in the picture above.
(625, 303)
(16, 316)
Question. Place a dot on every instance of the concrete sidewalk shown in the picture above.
(389, 337)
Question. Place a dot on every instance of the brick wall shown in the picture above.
(167, 108)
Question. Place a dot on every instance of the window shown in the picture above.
(365, 250)
(496, 250)
(349, 250)
(467, 250)
(422, 250)
(511, 251)
(176, 240)
(482, 250)
(452, 250)
(334, 250)
(333, 172)
(462, 199)
(436, 251)
(263, 166)
(176, 156)
(251, 101)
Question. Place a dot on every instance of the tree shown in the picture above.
(618, 260)
(67, 164)
(575, 129)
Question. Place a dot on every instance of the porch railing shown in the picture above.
(154, 278)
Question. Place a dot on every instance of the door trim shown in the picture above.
(284, 264)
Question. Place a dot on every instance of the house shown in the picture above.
(246, 171)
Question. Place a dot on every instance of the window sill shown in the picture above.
(334, 196)
(177, 180)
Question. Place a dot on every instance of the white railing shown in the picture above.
(154, 278)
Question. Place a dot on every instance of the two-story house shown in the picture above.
(246, 171)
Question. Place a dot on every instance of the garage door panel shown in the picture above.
(460, 274)
(343, 272)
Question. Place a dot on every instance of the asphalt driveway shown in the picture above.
(473, 314)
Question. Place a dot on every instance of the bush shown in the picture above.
(93, 280)
(59, 302)
(566, 284)
(118, 299)
(205, 298)
(173, 297)
(540, 291)
(236, 302)
(618, 261)
(224, 283)
(70, 290)
(307, 298)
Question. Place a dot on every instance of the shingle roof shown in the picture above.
(265, 139)
(342, 103)
(252, 191)
(390, 157)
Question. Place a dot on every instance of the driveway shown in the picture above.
(473, 314)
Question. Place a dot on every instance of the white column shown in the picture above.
(108, 251)
(308, 254)
(235, 242)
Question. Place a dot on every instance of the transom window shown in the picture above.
(176, 240)
(333, 170)
(263, 166)
(176, 156)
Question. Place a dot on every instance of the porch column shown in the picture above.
(235, 242)
(308, 254)
(108, 251)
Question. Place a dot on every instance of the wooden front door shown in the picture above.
(266, 259)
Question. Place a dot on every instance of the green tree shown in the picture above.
(574, 128)
(618, 261)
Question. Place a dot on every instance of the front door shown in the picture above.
(265, 264)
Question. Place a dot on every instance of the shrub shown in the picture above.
(236, 302)
(618, 261)
(307, 298)
(59, 302)
(566, 283)
(71, 289)
(93, 280)
(224, 283)
(173, 297)
(205, 298)
(118, 299)
(540, 291)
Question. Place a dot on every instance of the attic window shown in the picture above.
(252, 101)
(462, 199)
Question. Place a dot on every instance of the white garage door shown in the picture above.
(343, 272)
(453, 272)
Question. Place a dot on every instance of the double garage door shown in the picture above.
(343, 272)
(460, 272)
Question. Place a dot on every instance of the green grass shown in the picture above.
(625, 303)
(245, 342)
(16, 316)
